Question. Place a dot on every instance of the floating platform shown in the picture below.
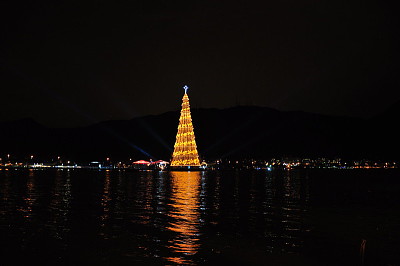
(187, 168)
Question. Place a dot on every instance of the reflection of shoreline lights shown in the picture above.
(30, 197)
(185, 149)
(60, 205)
(105, 204)
(185, 215)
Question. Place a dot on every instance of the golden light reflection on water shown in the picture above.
(185, 215)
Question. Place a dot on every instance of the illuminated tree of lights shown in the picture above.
(185, 149)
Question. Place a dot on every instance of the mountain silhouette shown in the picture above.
(237, 132)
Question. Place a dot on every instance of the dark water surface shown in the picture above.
(314, 217)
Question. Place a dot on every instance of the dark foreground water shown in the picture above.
(316, 217)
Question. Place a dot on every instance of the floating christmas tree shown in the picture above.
(185, 149)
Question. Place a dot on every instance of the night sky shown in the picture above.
(75, 63)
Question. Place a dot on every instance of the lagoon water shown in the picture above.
(298, 217)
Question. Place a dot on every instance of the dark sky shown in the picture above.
(78, 62)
